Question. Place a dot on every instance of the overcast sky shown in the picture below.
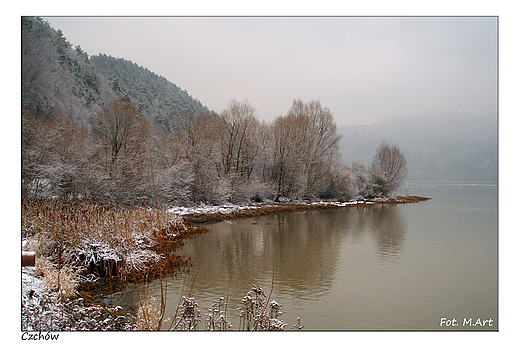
(362, 68)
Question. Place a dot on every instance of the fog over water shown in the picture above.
(437, 147)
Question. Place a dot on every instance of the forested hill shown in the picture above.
(58, 79)
(158, 97)
(61, 79)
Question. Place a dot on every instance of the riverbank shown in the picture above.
(81, 247)
(210, 214)
(118, 243)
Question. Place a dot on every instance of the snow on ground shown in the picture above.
(339, 203)
(229, 208)
(210, 209)
(30, 282)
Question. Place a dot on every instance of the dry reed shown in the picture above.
(119, 242)
(63, 280)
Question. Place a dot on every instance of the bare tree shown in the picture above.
(286, 165)
(195, 148)
(306, 147)
(122, 131)
(238, 129)
(122, 135)
(388, 169)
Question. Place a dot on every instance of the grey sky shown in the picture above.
(364, 69)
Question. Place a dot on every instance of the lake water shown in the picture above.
(386, 267)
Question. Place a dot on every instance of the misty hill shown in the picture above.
(164, 101)
(455, 147)
(59, 78)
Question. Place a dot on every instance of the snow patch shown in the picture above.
(209, 209)
(30, 282)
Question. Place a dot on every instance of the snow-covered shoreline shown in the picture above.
(209, 213)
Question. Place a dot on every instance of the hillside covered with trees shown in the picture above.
(165, 103)
(103, 129)
(57, 78)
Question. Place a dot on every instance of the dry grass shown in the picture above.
(63, 281)
(148, 316)
(119, 242)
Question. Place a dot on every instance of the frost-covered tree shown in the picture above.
(58, 159)
(238, 130)
(165, 104)
(45, 83)
(239, 144)
(194, 145)
(286, 164)
(121, 131)
(96, 127)
(338, 183)
(122, 137)
(361, 185)
(57, 78)
(305, 149)
(388, 169)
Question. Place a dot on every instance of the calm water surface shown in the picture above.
(394, 267)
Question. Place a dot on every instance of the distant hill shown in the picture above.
(454, 147)
(164, 101)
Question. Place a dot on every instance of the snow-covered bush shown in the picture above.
(175, 185)
(187, 315)
(49, 312)
(255, 316)
(62, 280)
(216, 317)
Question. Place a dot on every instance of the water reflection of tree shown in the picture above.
(305, 247)
(388, 230)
